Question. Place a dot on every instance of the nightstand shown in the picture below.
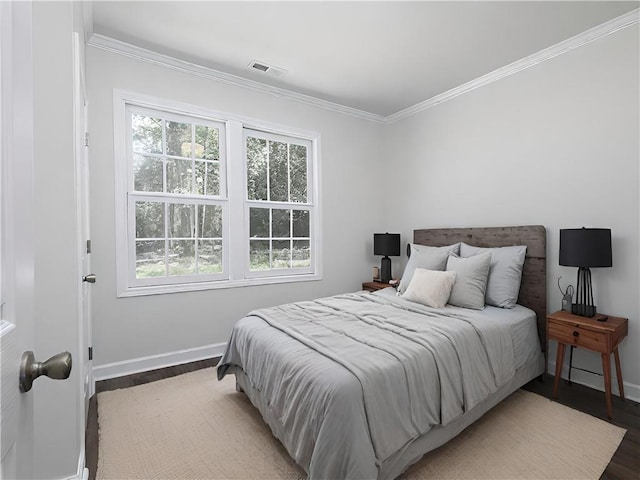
(373, 286)
(599, 336)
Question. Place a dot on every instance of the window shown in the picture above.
(277, 202)
(177, 199)
(205, 201)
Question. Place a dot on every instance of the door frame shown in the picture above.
(80, 127)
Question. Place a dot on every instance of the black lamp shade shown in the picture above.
(387, 244)
(585, 247)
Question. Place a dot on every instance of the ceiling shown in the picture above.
(378, 57)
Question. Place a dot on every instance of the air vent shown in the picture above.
(259, 66)
(268, 69)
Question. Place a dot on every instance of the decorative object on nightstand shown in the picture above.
(376, 274)
(585, 248)
(567, 297)
(582, 332)
(387, 244)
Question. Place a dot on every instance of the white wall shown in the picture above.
(126, 329)
(57, 423)
(557, 145)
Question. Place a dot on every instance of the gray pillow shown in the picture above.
(423, 256)
(505, 273)
(471, 280)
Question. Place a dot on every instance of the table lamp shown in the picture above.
(387, 244)
(585, 248)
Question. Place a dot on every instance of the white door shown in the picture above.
(17, 236)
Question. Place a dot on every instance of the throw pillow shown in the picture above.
(430, 287)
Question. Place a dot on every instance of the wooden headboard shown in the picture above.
(533, 288)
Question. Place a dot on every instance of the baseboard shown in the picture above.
(144, 364)
(595, 381)
(82, 473)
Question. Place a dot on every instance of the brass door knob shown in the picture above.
(57, 367)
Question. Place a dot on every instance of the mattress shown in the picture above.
(521, 321)
(352, 385)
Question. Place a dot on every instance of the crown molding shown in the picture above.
(116, 46)
(595, 33)
(132, 51)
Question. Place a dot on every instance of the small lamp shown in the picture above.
(585, 248)
(387, 244)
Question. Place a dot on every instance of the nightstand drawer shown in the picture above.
(578, 336)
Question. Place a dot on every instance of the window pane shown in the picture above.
(210, 220)
(179, 139)
(150, 259)
(179, 176)
(281, 223)
(181, 220)
(301, 254)
(278, 172)
(182, 257)
(298, 166)
(207, 143)
(259, 222)
(256, 169)
(149, 220)
(301, 223)
(209, 256)
(259, 255)
(207, 178)
(147, 174)
(147, 134)
(281, 254)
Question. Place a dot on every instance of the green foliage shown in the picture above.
(283, 164)
(176, 237)
(196, 146)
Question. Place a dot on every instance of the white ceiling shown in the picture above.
(379, 57)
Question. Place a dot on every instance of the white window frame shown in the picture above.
(176, 198)
(309, 205)
(235, 213)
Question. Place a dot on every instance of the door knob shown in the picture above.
(91, 278)
(57, 367)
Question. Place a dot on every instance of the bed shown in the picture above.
(362, 385)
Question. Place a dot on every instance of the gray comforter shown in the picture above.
(349, 380)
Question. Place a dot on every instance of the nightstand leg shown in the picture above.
(618, 373)
(559, 360)
(606, 369)
(570, 363)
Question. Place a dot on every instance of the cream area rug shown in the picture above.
(194, 427)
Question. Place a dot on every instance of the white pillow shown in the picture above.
(505, 273)
(430, 287)
(471, 280)
(423, 256)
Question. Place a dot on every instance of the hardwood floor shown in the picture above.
(625, 464)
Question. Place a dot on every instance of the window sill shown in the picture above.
(216, 285)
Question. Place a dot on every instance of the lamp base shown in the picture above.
(385, 270)
(583, 310)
